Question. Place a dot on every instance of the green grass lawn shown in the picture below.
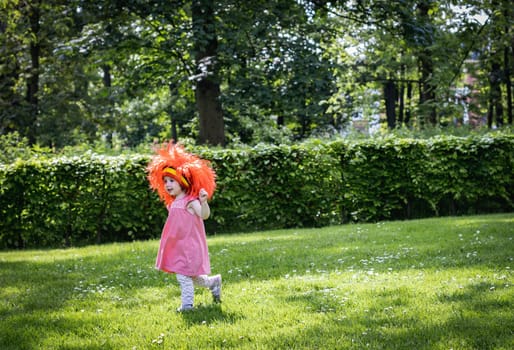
(444, 283)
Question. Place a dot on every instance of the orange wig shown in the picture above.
(190, 171)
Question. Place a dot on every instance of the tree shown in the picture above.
(20, 18)
(241, 71)
(212, 130)
(10, 70)
(276, 72)
(501, 50)
(424, 44)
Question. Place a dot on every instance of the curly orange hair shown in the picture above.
(190, 171)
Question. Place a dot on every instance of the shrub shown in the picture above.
(64, 201)
(395, 178)
(73, 200)
(275, 187)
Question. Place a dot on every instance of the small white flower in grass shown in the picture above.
(159, 339)
(472, 254)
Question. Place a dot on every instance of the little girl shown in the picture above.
(184, 182)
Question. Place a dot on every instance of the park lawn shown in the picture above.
(443, 283)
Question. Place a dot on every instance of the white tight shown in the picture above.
(187, 287)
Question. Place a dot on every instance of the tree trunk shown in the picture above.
(390, 95)
(9, 100)
(111, 124)
(506, 64)
(427, 95)
(426, 65)
(207, 94)
(510, 98)
(29, 122)
(174, 132)
(495, 108)
(408, 109)
(107, 79)
(401, 99)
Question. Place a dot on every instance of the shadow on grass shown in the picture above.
(480, 318)
(31, 288)
(42, 297)
(209, 314)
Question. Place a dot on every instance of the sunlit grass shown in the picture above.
(428, 284)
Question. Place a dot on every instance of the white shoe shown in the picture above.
(216, 288)
(184, 308)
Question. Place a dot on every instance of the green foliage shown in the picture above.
(405, 178)
(288, 70)
(67, 201)
(72, 200)
(471, 174)
(275, 186)
(13, 146)
(382, 177)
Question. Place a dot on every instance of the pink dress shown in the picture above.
(183, 247)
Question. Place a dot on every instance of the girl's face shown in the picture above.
(172, 187)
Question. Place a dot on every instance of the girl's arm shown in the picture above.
(200, 207)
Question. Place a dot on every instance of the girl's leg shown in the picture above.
(187, 290)
(202, 281)
(213, 283)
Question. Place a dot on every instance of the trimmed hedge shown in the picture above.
(76, 200)
(66, 201)
(405, 178)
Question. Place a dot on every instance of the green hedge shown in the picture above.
(405, 178)
(65, 201)
(270, 187)
(76, 200)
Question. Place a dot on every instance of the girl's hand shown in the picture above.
(202, 196)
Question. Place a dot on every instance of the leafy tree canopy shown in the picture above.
(78, 71)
